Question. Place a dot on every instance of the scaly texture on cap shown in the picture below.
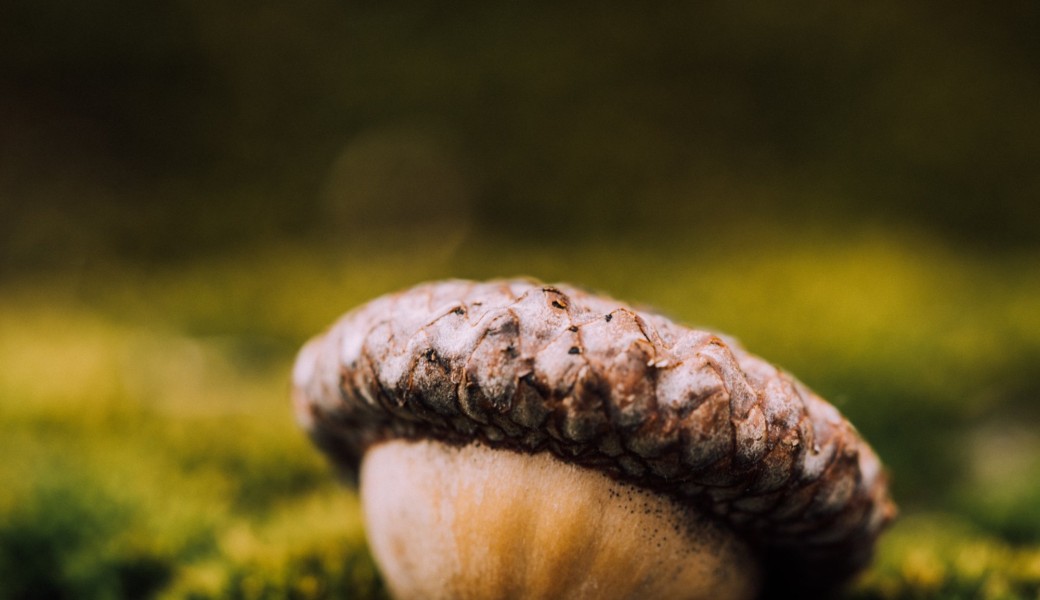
(530, 367)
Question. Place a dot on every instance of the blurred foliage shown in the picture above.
(188, 190)
(178, 127)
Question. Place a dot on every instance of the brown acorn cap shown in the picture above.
(524, 366)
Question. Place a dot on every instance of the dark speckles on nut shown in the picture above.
(532, 367)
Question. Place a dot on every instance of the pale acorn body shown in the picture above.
(498, 524)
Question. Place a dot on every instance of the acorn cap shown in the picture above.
(687, 413)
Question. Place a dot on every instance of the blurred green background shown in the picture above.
(189, 190)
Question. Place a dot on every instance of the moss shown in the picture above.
(945, 556)
(150, 450)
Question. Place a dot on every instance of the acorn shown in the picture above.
(519, 440)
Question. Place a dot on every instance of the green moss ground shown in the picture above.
(149, 450)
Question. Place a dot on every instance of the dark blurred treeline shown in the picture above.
(161, 130)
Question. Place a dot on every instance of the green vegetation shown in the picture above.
(150, 450)
(180, 127)
(190, 189)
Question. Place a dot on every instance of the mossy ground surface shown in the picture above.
(149, 449)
